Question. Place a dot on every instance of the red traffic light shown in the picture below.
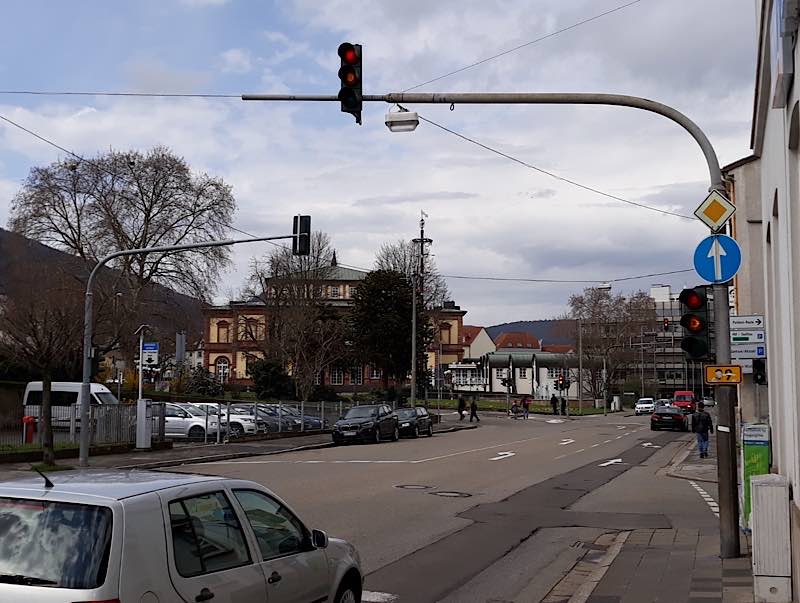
(348, 53)
(692, 299)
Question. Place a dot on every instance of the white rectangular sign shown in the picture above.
(754, 321)
(748, 336)
(150, 358)
(746, 364)
(748, 350)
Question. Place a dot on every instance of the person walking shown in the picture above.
(462, 408)
(563, 406)
(473, 411)
(526, 407)
(554, 404)
(702, 425)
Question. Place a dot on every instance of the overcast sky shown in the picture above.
(488, 216)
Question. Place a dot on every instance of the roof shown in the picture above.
(469, 333)
(340, 273)
(113, 484)
(516, 339)
(546, 331)
(739, 163)
(559, 348)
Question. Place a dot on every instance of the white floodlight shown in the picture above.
(402, 121)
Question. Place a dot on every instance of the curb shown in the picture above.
(677, 460)
(239, 455)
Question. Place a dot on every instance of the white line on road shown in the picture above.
(610, 462)
(452, 454)
(608, 441)
(561, 456)
(502, 455)
(566, 441)
(712, 504)
(581, 450)
(369, 596)
(595, 445)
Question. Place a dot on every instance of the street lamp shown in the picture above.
(402, 121)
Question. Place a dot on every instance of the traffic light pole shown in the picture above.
(729, 534)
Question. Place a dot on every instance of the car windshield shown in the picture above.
(645, 401)
(242, 410)
(44, 543)
(361, 412)
(106, 397)
(668, 410)
(406, 413)
(194, 411)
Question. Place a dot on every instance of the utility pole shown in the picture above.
(418, 288)
(580, 366)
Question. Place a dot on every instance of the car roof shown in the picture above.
(112, 484)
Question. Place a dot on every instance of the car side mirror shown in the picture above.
(319, 539)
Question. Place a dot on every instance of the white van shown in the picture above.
(66, 393)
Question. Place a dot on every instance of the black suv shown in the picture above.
(367, 423)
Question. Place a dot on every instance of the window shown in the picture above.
(554, 373)
(523, 373)
(319, 292)
(356, 375)
(206, 535)
(277, 531)
(376, 373)
(174, 412)
(63, 543)
(334, 291)
(337, 376)
(222, 332)
(500, 373)
(318, 378)
(223, 368)
(353, 289)
(253, 330)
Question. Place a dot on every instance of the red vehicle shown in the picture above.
(684, 400)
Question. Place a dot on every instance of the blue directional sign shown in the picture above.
(717, 258)
(150, 346)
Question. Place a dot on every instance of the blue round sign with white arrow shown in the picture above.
(717, 258)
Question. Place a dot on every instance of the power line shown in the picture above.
(551, 174)
(510, 50)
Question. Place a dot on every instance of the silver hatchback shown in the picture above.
(132, 536)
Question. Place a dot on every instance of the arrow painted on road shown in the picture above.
(610, 462)
(650, 445)
(717, 252)
(566, 441)
(622, 427)
(502, 455)
(555, 420)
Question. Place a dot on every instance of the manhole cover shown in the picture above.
(447, 494)
(413, 487)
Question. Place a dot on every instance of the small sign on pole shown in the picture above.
(715, 211)
(723, 374)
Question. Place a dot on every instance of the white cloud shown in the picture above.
(237, 60)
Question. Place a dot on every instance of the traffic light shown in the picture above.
(695, 321)
(666, 325)
(350, 76)
(759, 371)
(301, 243)
(566, 384)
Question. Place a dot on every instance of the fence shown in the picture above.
(109, 424)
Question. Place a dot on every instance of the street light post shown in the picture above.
(88, 317)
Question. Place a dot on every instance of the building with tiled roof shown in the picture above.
(516, 341)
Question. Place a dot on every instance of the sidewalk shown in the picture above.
(689, 465)
(188, 454)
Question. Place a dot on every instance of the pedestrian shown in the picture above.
(702, 425)
(526, 406)
(563, 406)
(554, 404)
(473, 411)
(462, 408)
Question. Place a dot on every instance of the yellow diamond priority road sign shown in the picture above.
(715, 210)
(723, 374)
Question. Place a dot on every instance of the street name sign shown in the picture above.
(717, 258)
(748, 350)
(723, 374)
(752, 321)
(715, 211)
(748, 336)
(150, 353)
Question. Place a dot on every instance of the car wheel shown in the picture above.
(197, 433)
(376, 439)
(653, 428)
(416, 431)
(236, 430)
(396, 434)
(346, 594)
(430, 430)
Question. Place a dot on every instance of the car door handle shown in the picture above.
(274, 577)
(205, 595)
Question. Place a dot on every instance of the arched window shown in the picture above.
(223, 367)
(223, 331)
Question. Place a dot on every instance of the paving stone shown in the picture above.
(663, 537)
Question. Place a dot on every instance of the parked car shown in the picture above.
(644, 406)
(414, 421)
(199, 413)
(685, 400)
(238, 424)
(708, 401)
(669, 417)
(309, 421)
(369, 423)
(112, 535)
(179, 422)
(664, 402)
(276, 412)
(265, 420)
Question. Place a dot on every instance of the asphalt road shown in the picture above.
(393, 499)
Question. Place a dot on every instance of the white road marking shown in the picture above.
(610, 462)
(607, 441)
(595, 445)
(452, 454)
(618, 438)
(712, 504)
(555, 420)
(650, 445)
(502, 455)
(566, 441)
(561, 456)
(369, 596)
(581, 450)
(622, 427)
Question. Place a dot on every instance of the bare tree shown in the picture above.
(303, 331)
(403, 257)
(40, 330)
(609, 325)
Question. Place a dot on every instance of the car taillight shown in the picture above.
(656, 417)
